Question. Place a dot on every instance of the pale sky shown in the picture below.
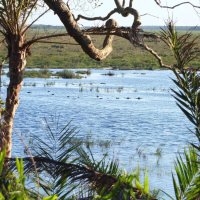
(183, 16)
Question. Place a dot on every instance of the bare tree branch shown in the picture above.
(121, 10)
(158, 2)
(123, 3)
(38, 39)
(55, 42)
(131, 3)
(98, 18)
(27, 13)
(118, 4)
(64, 13)
(155, 54)
(35, 20)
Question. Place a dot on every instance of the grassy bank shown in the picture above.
(124, 55)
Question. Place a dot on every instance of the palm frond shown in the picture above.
(187, 79)
(187, 185)
(188, 97)
(187, 181)
(182, 46)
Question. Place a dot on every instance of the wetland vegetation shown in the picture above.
(124, 56)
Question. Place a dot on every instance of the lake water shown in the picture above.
(132, 111)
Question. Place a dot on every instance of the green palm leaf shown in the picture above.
(187, 185)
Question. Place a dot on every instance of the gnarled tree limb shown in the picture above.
(121, 10)
(64, 13)
(67, 18)
(98, 18)
(158, 2)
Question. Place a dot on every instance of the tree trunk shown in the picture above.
(17, 63)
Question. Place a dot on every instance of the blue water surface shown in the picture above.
(132, 110)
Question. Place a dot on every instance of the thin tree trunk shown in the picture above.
(17, 63)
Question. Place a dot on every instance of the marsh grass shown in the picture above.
(42, 73)
(90, 142)
(68, 74)
(84, 72)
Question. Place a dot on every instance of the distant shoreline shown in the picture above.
(147, 28)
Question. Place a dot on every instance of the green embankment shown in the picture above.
(124, 55)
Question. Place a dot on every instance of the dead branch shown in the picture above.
(55, 42)
(155, 54)
(98, 18)
(119, 9)
(158, 2)
(38, 39)
(35, 20)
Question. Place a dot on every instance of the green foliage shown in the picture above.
(12, 185)
(188, 175)
(188, 97)
(182, 46)
(127, 187)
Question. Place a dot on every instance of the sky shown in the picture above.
(151, 14)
